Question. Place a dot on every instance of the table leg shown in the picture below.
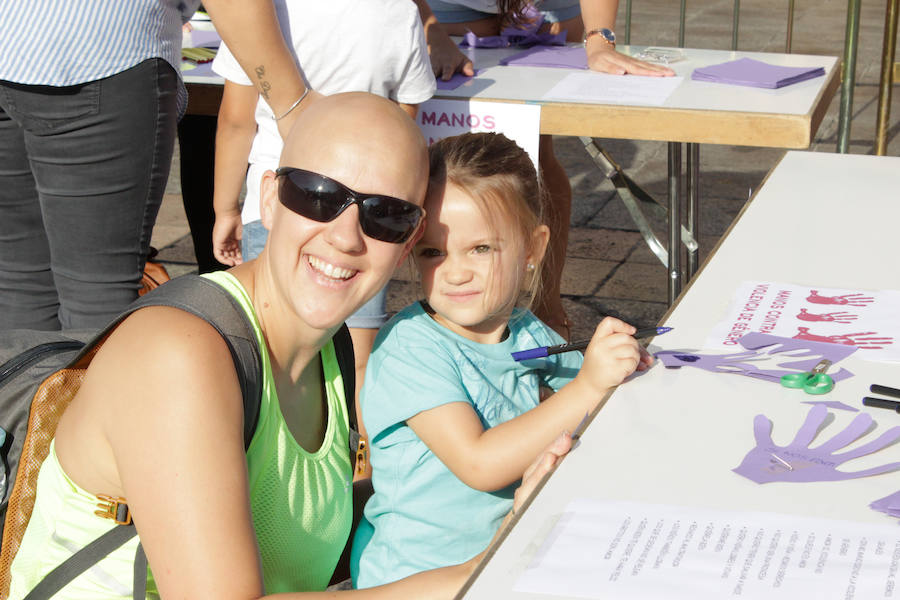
(674, 265)
(848, 76)
(887, 69)
(634, 197)
(693, 207)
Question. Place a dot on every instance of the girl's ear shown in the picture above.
(268, 198)
(540, 237)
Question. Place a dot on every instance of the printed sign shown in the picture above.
(519, 122)
(861, 318)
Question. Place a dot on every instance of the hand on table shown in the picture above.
(542, 465)
(446, 57)
(604, 58)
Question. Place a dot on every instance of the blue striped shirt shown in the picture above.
(67, 42)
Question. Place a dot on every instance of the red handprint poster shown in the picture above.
(865, 319)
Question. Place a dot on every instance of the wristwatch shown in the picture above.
(608, 35)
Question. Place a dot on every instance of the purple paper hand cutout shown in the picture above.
(889, 505)
(799, 355)
(832, 317)
(848, 299)
(862, 339)
(798, 462)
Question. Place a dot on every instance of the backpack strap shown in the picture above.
(343, 350)
(207, 300)
(212, 303)
(83, 560)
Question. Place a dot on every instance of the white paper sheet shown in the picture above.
(602, 88)
(632, 550)
(862, 318)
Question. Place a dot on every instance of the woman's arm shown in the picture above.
(250, 29)
(602, 56)
(172, 444)
(235, 130)
(492, 459)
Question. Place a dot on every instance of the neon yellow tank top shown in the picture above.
(301, 502)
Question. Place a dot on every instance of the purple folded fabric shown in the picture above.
(201, 38)
(754, 73)
(454, 82)
(525, 34)
(570, 57)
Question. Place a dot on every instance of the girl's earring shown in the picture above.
(529, 267)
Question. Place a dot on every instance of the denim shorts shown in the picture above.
(553, 11)
(371, 315)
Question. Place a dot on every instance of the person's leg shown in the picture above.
(457, 19)
(101, 177)
(197, 142)
(253, 239)
(557, 212)
(27, 295)
(559, 15)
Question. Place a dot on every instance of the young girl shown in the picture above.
(453, 420)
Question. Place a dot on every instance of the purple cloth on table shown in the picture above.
(205, 39)
(525, 34)
(454, 82)
(570, 57)
(754, 73)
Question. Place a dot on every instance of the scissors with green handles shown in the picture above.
(814, 382)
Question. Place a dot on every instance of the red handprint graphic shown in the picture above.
(834, 317)
(847, 299)
(861, 339)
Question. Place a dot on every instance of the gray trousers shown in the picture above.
(82, 173)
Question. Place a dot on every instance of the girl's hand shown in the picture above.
(603, 57)
(611, 356)
(226, 239)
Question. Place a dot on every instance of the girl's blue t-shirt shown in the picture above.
(421, 515)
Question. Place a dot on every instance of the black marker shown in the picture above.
(882, 403)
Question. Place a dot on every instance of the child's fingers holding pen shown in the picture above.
(646, 360)
(611, 325)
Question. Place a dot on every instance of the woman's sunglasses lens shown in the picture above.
(389, 219)
(311, 196)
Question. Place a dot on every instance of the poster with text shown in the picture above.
(863, 318)
(642, 551)
(521, 123)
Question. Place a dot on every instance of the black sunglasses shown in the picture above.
(322, 199)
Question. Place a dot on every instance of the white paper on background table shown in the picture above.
(862, 318)
(631, 550)
(602, 88)
(521, 123)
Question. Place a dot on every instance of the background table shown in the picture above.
(673, 436)
(696, 113)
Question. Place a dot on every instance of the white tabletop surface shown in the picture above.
(532, 83)
(673, 436)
